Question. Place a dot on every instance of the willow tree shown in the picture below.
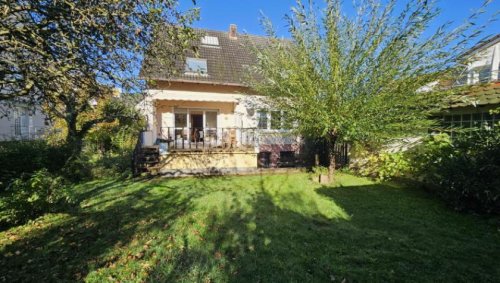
(66, 54)
(360, 78)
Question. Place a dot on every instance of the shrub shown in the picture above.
(385, 166)
(33, 195)
(27, 157)
(464, 172)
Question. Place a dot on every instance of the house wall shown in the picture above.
(486, 58)
(208, 162)
(237, 109)
(275, 149)
(165, 112)
(33, 122)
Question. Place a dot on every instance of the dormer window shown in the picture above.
(196, 66)
(212, 41)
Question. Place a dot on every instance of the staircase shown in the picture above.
(145, 158)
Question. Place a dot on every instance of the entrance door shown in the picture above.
(197, 126)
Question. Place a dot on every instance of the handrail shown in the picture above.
(207, 137)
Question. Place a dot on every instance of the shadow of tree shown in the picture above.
(250, 229)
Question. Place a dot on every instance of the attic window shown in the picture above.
(210, 40)
(196, 66)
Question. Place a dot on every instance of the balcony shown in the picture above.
(198, 139)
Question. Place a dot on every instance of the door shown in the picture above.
(264, 159)
(196, 126)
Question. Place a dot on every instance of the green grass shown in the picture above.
(281, 228)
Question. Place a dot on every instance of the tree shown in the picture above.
(362, 78)
(65, 54)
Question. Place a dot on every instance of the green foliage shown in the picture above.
(31, 196)
(19, 157)
(359, 79)
(319, 170)
(65, 55)
(267, 228)
(91, 46)
(109, 146)
(77, 169)
(385, 166)
(464, 172)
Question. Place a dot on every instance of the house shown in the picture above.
(20, 121)
(206, 119)
(471, 107)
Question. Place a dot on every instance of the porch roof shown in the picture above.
(194, 96)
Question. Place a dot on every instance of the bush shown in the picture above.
(21, 157)
(33, 195)
(385, 166)
(464, 172)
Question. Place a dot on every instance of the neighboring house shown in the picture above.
(22, 122)
(471, 108)
(206, 118)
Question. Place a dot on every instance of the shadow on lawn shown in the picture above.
(219, 230)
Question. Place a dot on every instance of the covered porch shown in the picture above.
(183, 120)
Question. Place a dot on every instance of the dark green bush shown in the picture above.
(19, 157)
(465, 172)
(31, 196)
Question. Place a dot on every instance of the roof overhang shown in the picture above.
(182, 95)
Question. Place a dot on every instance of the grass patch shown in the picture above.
(277, 228)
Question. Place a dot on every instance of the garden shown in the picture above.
(71, 208)
(270, 228)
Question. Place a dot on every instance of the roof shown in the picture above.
(227, 63)
(480, 95)
(483, 44)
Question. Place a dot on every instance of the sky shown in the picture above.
(218, 14)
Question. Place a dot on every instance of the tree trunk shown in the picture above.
(74, 139)
(332, 139)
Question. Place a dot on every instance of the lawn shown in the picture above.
(276, 228)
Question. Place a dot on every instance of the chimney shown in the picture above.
(233, 31)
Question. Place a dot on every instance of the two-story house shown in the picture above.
(471, 108)
(206, 118)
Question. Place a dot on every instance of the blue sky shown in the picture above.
(218, 14)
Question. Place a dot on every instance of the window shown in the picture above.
(287, 159)
(466, 120)
(456, 120)
(198, 66)
(276, 120)
(484, 74)
(487, 120)
(447, 121)
(476, 120)
(211, 119)
(180, 120)
(262, 119)
(22, 122)
(469, 120)
(210, 40)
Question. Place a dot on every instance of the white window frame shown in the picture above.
(189, 71)
(188, 111)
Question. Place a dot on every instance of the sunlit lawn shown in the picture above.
(256, 229)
